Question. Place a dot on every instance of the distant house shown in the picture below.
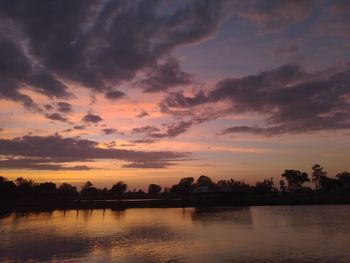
(201, 189)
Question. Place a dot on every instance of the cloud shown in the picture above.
(97, 44)
(170, 130)
(48, 107)
(176, 129)
(146, 129)
(165, 76)
(274, 15)
(56, 117)
(92, 118)
(290, 99)
(143, 141)
(108, 131)
(38, 164)
(142, 114)
(67, 130)
(286, 50)
(257, 130)
(64, 107)
(56, 149)
(114, 95)
(334, 20)
(79, 127)
(111, 144)
(154, 165)
(17, 71)
(126, 145)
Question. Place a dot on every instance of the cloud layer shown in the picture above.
(290, 99)
(48, 46)
(40, 152)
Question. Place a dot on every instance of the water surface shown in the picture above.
(252, 234)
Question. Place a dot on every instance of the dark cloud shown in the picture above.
(170, 130)
(110, 144)
(286, 50)
(101, 44)
(114, 95)
(176, 100)
(48, 107)
(126, 145)
(17, 71)
(176, 129)
(64, 107)
(108, 131)
(67, 130)
(143, 141)
(292, 100)
(165, 76)
(334, 20)
(257, 130)
(150, 165)
(92, 118)
(79, 127)
(56, 117)
(274, 15)
(142, 114)
(1, 129)
(55, 149)
(96, 44)
(37, 164)
(146, 129)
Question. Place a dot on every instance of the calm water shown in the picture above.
(255, 234)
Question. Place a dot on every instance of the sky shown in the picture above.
(150, 91)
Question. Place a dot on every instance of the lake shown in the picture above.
(249, 234)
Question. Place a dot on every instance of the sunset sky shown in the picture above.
(152, 91)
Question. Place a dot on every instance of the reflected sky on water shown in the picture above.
(250, 234)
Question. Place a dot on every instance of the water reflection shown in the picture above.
(240, 216)
(257, 234)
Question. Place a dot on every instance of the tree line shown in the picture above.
(292, 181)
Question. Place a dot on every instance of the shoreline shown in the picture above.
(191, 201)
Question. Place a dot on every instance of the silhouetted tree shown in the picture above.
(327, 184)
(184, 186)
(344, 177)
(235, 186)
(204, 180)
(67, 190)
(154, 189)
(119, 188)
(47, 189)
(24, 187)
(87, 185)
(88, 190)
(140, 192)
(21, 182)
(295, 179)
(7, 188)
(283, 186)
(265, 187)
(317, 174)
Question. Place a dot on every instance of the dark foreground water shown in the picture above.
(255, 234)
